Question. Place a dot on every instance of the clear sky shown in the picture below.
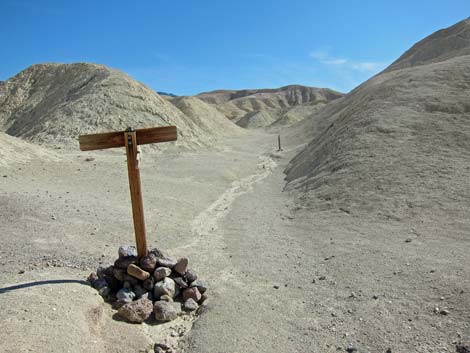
(190, 46)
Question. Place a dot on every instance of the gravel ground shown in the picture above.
(283, 278)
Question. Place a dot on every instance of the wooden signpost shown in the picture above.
(279, 143)
(131, 139)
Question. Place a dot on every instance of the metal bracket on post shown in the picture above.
(138, 156)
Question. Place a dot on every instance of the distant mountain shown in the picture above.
(167, 94)
(237, 104)
(399, 144)
(57, 102)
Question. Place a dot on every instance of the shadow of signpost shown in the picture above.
(41, 283)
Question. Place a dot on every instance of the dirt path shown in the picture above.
(285, 279)
(255, 306)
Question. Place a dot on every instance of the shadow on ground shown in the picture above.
(41, 283)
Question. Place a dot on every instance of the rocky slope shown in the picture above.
(399, 144)
(13, 150)
(54, 103)
(205, 116)
(246, 103)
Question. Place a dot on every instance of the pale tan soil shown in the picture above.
(226, 211)
(14, 150)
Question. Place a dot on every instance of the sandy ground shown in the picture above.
(283, 278)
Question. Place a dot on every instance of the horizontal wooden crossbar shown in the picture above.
(116, 139)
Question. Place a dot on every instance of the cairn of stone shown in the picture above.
(156, 284)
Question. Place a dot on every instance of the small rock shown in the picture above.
(136, 311)
(444, 312)
(203, 298)
(113, 283)
(322, 278)
(124, 262)
(276, 286)
(165, 347)
(193, 293)
(201, 285)
(127, 251)
(375, 297)
(161, 272)
(156, 252)
(190, 305)
(166, 286)
(138, 290)
(167, 262)
(166, 298)
(164, 311)
(149, 263)
(190, 276)
(408, 240)
(182, 266)
(181, 282)
(90, 279)
(389, 350)
(125, 295)
(132, 280)
(104, 291)
(99, 283)
(119, 274)
(149, 283)
(462, 348)
(89, 159)
(136, 272)
(177, 291)
(147, 295)
(104, 271)
(351, 348)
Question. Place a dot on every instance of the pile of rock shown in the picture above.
(155, 284)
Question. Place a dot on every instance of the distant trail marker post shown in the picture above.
(279, 142)
(131, 139)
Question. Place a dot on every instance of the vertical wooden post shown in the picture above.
(130, 141)
(279, 142)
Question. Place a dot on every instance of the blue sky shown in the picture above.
(189, 46)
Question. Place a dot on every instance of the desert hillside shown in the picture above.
(205, 116)
(237, 105)
(55, 103)
(15, 151)
(397, 145)
(440, 46)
